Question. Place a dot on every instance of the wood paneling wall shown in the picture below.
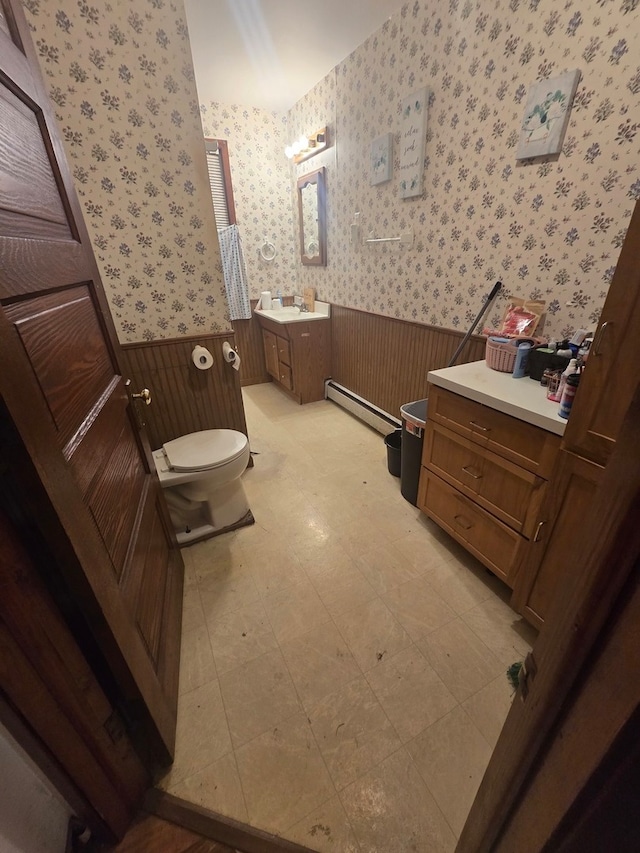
(248, 335)
(185, 399)
(386, 361)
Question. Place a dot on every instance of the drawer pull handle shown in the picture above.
(467, 470)
(536, 536)
(477, 426)
(462, 521)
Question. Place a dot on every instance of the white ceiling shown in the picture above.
(269, 53)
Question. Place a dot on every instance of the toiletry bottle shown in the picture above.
(564, 349)
(279, 297)
(570, 388)
(569, 370)
(522, 356)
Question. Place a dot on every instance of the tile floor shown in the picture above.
(343, 660)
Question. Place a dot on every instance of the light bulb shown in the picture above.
(304, 142)
(289, 151)
(297, 148)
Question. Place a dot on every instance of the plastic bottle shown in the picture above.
(570, 388)
(564, 349)
(569, 370)
(522, 356)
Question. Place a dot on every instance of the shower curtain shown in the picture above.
(234, 272)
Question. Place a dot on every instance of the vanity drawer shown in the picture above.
(284, 375)
(506, 490)
(529, 446)
(284, 350)
(487, 538)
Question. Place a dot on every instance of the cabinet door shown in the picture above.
(270, 353)
(556, 543)
(610, 376)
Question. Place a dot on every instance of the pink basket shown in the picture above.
(501, 356)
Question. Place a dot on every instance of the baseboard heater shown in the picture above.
(377, 418)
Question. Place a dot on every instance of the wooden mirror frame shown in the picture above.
(317, 178)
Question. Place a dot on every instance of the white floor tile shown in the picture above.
(327, 648)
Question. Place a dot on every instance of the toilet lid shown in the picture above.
(206, 449)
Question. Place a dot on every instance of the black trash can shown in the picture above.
(414, 420)
(394, 452)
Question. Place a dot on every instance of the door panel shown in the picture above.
(29, 189)
(60, 380)
(57, 331)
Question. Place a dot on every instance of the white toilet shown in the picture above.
(200, 474)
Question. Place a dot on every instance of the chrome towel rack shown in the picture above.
(405, 239)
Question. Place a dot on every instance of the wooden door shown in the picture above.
(97, 502)
(558, 535)
(592, 594)
(607, 386)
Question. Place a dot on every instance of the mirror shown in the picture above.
(311, 214)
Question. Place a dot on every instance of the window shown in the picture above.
(220, 181)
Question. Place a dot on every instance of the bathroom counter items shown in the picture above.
(523, 398)
(292, 314)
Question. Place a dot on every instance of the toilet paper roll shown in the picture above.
(230, 355)
(202, 358)
(265, 300)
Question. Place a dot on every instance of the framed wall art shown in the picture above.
(381, 159)
(413, 133)
(546, 116)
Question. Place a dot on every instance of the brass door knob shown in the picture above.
(144, 395)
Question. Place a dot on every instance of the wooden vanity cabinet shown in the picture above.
(298, 356)
(484, 478)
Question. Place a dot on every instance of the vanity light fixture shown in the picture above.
(307, 146)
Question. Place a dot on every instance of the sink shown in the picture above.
(292, 314)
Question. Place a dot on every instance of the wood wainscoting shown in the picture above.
(386, 361)
(185, 399)
(382, 359)
(248, 335)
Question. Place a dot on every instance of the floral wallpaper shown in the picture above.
(261, 178)
(549, 228)
(121, 78)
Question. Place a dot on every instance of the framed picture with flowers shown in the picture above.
(546, 116)
(381, 159)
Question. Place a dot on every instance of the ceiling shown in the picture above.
(269, 53)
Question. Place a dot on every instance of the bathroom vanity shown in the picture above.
(490, 445)
(297, 349)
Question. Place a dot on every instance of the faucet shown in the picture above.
(299, 302)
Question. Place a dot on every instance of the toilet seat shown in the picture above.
(204, 450)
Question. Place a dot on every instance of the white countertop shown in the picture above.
(291, 314)
(524, 398)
